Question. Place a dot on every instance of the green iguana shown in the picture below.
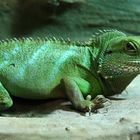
(49, 68)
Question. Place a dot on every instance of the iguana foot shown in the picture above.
(85, 106)
(99, 102)
(89, 105)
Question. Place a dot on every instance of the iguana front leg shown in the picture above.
(5, 99)
(76, 97)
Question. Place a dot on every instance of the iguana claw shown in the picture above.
(99, 101)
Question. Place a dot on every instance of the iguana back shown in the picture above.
(35, 67)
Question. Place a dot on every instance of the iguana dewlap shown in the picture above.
(49, 68)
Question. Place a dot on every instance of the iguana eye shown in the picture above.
(131, 47)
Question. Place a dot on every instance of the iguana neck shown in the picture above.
(117, 85)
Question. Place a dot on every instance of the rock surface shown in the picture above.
(58, 120)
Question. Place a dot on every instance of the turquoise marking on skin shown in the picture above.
(15, 50)
(86, 61)
(56, 68)
(8, 55)
(34, 56)
(37, 53)
(3, 64)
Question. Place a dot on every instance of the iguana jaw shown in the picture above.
(117, 75)
(115, 69)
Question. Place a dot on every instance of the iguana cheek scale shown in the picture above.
(49, 68)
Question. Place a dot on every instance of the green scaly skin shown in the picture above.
(50, 68)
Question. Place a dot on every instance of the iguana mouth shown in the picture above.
(120, 68)
(133, 63)
(133, 66)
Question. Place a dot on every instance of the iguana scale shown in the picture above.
(42, 68)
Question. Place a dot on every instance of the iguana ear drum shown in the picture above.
(109, 52)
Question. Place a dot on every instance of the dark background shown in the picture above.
(77, 19)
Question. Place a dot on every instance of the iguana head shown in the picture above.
(118, 54)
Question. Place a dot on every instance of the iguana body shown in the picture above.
(50, 68)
